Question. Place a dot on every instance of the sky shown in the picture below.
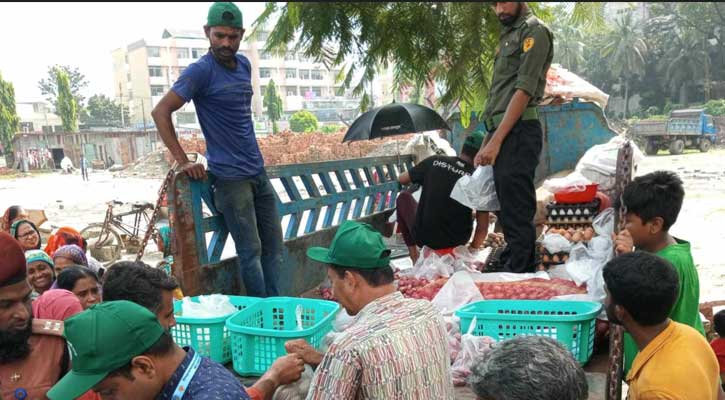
(34, 36)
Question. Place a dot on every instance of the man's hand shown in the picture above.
(194, 170)
(623, 242)
(488, 153)
(304, 350)
(287, 369)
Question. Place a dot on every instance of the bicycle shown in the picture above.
(107, 239)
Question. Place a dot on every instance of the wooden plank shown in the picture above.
(293, 226)
(197, 215)
(291, 188)
(312, 220)
(279, 171)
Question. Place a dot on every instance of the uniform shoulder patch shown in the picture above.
(48, 327)
(528, 44)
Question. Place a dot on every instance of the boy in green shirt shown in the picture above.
(653, 202)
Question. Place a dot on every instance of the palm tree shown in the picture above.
(569, 46)
(626, 54)
(684, 62)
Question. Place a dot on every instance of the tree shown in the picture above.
(273, 104)
(9, 121)
(49, 86)
(625, 54)
(102, 111)
(452, 44)
(303, 121)
(685, 61)
(66, 107)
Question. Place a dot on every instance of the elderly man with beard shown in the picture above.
(31, 351)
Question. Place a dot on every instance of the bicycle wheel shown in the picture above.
(105, 245)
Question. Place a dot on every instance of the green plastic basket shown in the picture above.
(571, 323)
(259, 332)
(208, 336)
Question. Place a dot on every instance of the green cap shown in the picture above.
(474, 140)
(355, 245)
(224, 14)
(102, 339)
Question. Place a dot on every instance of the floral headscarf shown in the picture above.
(73, 253)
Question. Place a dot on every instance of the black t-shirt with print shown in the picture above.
(440, 221)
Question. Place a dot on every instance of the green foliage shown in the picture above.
(49, 85)
(102, 111)
(303, 121)
(715, 107)
(66, 106)
(273, 104)
(450, 44)
(9, 121)
(334, 128)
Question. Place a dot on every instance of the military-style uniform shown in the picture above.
(522, 60)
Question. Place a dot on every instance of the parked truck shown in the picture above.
(684, 129)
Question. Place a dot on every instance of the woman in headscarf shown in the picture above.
(163, 242)
(83, 283)
(67, 256)
(12, 214)
(57, 304)
(26, 233)
(41, 273)
(67, 235)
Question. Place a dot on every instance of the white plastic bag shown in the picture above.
(453, 331)
(585, 265)
(477, 191)
(603, 224)
(296, 390)
(431, 266)
(210, 306)
(573, 180)
(458, 291)
(556, 243)
(472, 347)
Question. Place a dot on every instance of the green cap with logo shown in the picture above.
(355, 245)
(224, 14)
(101, 340)
(474, 140)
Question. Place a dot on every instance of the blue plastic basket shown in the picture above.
(208, 336)
(571, 323)
(259, 332)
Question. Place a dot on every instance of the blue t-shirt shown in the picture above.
(223, 102)
(211, 382)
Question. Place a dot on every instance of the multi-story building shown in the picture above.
(146, 69)
(37, 116)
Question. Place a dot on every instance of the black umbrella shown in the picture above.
(394, 119)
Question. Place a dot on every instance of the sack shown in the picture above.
(458, 291)
(477, 191)
(599, 163)
(296, 390)
(472, 348)
(211, 306)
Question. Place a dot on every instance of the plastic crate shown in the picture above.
(571, 323)
(208, 336)
(259, 332)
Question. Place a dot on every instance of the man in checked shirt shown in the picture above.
(396, 348)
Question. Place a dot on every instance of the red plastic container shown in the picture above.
(574, 195)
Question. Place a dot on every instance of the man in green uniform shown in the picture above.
(514, 141)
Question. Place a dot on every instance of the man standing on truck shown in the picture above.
(220, 85)
(513, 145)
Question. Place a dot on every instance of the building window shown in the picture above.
(185, 118)
(265, 72)
(265, 55)
(153, 51)
(181, 70)
(317, 91)
(128, 77)
(291, 90)
(182, 53)
(316, 75)
(289, 56)
(125, 58)
(262, 36)
(157, 90)
(156, 71)
(38, 107)
(304, 74)
(130, 93)
(290, 73)
(197, 53)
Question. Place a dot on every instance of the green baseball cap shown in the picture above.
(355, 245)
(224, 14)
(102, 339)
(474, 140)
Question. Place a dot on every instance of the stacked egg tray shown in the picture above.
(572, 214)
(546, 260)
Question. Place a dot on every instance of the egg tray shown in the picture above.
(572, 214)
(493, 261)
(541, 252)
